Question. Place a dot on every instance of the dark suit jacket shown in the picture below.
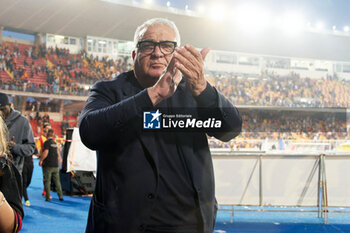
(127, 159)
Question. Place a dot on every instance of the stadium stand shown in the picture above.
(270, 89)
(33, 69)
(37, 69)
(56, 71)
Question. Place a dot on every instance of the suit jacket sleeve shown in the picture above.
(106, 118)
(219, 106)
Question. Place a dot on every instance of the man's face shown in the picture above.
(46, 129)
(149, 67)
(5, 111)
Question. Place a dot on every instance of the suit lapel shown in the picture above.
(131, 88)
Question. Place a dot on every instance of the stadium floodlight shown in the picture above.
(59, 37)
(201, 9)
(186, 7)
(292, 22)
(319, 25)
(252, 18)
(149, 1)
(346, 29)
(334, 28)
(217, 13)
(168, 4)
(308, 25)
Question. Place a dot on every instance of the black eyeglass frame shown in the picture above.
(157, 44)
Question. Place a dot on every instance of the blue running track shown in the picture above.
(70, 216)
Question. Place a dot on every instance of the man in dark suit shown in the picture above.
(155, 180)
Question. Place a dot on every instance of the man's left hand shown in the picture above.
(11, 143)
(191, 64)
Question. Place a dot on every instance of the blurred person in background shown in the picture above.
(43, 136)
(49, 160)
(11, 210)
(21, 139)
(40, 146)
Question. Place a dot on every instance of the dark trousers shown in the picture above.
(52, 172)
(27, 173)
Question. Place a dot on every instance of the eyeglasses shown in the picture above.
(148, 46)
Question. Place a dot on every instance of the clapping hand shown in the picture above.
(191, 64)
(167, 83)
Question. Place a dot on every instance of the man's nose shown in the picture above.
(157, 51)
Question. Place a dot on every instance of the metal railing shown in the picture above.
(255, 173)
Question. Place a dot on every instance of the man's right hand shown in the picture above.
(166, 85)
(11, 143)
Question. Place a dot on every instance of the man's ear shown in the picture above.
(133, 55)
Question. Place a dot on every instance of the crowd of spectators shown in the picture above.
(38, 120)
(60, 72)
(270, 89)
(259, 126)
(301, 122)
(47, 106)
(73, 74)
(54, 70)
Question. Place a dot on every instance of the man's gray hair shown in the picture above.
(140, 31)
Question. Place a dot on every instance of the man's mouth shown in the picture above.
(157, 65)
